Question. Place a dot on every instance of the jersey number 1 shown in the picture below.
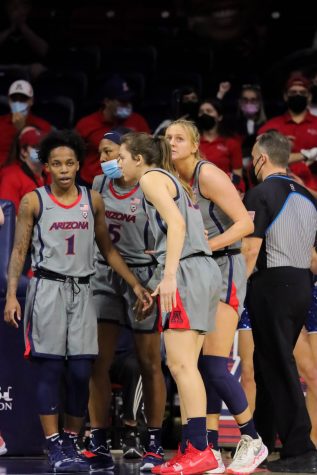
(70, 245)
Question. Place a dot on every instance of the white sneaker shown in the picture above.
(248, 455)
(221, 467)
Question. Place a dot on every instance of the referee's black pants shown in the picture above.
(278, 301)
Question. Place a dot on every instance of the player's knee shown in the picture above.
(150, 364)
(79, 372)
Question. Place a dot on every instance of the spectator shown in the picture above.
(300, 127)
(19, 42)
(184, 106)
(250, 117)
(23, 171)
(216, 145)
(20, 100)
(116, 110)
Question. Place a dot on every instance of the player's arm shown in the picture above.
(250, 248)
(110, 253)
(216, 186)
(169, 212)
(313, 265)
(29, 208)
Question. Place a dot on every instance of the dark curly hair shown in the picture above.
(62, 138)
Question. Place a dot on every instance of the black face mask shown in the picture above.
(188, 109)
(206, 122)
(297, 103)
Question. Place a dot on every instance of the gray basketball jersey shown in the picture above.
(195, 241)
(215, 220)
(126, 220)
(63, 236)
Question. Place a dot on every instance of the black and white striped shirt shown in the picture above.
(285, 217)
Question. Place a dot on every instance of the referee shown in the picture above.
(279, 296)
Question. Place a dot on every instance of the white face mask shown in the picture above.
(111, 169)
(34, 155)
(123, 112)
(21, 107)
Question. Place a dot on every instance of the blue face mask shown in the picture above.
(34, 155)
(123, 112)
(111, 169)
(21, 107)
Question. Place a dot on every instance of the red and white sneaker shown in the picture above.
(166, 465)
(3, 449)
(221, 466)
(193, 461)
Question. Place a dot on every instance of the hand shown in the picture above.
(309, 153)
(12, 312)
(141, 312)
(291, 139)
(224, 87)
(1, 217)
(167, 292)
(151, 252)
(18, 120)
(144, 303)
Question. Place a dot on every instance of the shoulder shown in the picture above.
(208, 171)
(95, 198)
(154, 179)
(97, 182)
(11, 170)
(258, 193)
(138, 123)
(30, 203)
(5, 119)
(39, 122)
(88, 120)
(271, 124)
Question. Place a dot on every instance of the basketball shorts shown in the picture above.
(114, 299)
(60, 320)
(198, 292)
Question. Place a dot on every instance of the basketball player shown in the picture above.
(60, 320)
(227, 221)
(114, 299)
(186, 279)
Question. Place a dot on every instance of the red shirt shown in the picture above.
(92, 128)
(305, 136)
(225, 152)
(8, 131)
(15, 183)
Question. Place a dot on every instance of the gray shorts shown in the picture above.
(234, 280)
(198, 293)
(60, 320)
(114, 298)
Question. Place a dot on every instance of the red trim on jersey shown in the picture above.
(178, 318)
(191, 181)
(126, 195)
(55, 200)
(27, 351)
(233, 299)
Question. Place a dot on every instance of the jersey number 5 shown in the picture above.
(114, 232)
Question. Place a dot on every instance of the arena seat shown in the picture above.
(57, 110)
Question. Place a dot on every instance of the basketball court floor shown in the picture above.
(39, 466)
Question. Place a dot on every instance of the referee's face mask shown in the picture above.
(256, 170)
